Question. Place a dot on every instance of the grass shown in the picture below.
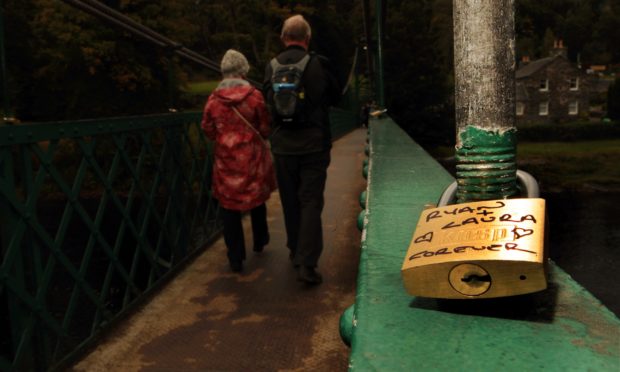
(560, 166)
(201, 87)
(583, 166)
(578, 149)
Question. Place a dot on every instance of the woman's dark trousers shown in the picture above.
(233, 231)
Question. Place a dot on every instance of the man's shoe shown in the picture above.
(309, 275)
(291, 256)
(258, 248)
(236, 266)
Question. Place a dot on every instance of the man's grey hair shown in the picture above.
(296, 28)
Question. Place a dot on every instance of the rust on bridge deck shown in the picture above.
(209, 319)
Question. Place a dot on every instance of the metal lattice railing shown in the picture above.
(93, 215)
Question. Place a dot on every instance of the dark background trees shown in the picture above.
(418, 53)
(65, 64)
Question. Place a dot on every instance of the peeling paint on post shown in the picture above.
(484, 65)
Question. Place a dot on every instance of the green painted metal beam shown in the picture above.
(561, 329)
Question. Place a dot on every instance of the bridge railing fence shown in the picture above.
(94, 214)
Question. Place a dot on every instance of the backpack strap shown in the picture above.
(301, 64)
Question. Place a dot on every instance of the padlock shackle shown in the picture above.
(526, 183)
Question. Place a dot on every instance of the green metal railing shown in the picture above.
(563, 328)
(94, 214)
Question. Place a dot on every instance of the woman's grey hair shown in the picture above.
(234, 64)
(296, 28)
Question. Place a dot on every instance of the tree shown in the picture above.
(418, 78)
(67, 64)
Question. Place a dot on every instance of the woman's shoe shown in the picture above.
(236, 266)
(259, 247)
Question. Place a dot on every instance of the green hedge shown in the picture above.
(577, 131)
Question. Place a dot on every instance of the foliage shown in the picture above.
(418, 54)
(590, 29)
(66, 64)
(418, 66)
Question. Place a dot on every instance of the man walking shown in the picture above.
(301, 140)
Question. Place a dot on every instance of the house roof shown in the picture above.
(533, 67)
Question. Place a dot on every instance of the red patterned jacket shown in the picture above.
(243, 175)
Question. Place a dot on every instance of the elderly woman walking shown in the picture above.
(235, 117)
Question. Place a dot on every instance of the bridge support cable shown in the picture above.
(126, 23)
(484, 67)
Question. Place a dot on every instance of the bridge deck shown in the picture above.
(211, 319)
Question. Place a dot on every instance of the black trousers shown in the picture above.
(301, 183)
(233, 231)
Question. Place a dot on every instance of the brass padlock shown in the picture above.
(478, 250)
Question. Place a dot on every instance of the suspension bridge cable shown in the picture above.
(118, 19)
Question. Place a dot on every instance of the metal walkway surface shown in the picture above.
(209, 319)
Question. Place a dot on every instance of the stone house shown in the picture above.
(552, 90)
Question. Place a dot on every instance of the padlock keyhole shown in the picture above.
(470, 279)
(474, 278)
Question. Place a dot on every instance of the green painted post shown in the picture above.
(484, 66)
(369, 46)
(379, 9)
(3, 77)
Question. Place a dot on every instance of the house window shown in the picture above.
(573, 108)
(520, 108)
(543, 108)
(574, 84)
(544, 85)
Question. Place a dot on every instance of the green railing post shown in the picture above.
(379, 10)
(369, 44)
(484, 66)
(171, 83)
(3, 74)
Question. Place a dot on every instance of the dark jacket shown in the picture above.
(321, 91)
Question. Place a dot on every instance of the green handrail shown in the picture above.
(95, 215)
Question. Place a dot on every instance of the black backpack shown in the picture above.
(288, 91)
